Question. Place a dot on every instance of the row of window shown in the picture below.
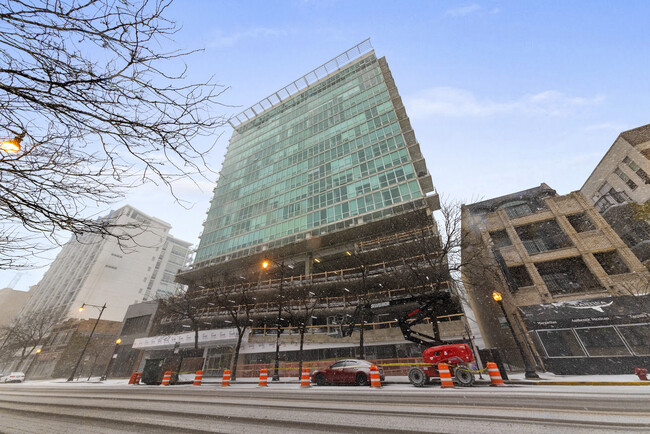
(374, 144)
(606, 341)
(381, 147)
(337, 195)
(265, 125)
(370, 202)
(251, 184)
(308, 197)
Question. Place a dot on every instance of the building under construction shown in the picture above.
(320, 229)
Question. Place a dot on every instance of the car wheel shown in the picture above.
(464, 378)
(417, 377)
(319, 379)
(362, 380)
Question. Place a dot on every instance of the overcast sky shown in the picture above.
(502, 95)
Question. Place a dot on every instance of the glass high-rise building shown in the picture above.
(332, 150)
(325, 184)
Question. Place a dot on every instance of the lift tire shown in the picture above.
(464, 378)
(417, 377)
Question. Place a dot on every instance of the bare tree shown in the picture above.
(29, 332)
(303, 303)
(237, 305)
(185, 305)
(97, 106)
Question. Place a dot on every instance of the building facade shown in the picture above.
(324, 182)
(619, 180)
(557, 251)
(11, 302)
(95, 270)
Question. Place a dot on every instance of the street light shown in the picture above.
(29, 368)
(11, 146)
(101, 311)
(118, 341)
(276, 368)
(530, 371)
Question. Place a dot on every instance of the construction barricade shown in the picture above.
(225, 380)
(198, 378)
(375, 380)
(445, 375)
(495, 375)
(132, 379)
(305, 380)
(138, 377)
(166, 378)
(264, 375)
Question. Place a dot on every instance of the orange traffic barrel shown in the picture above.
(225, 380)
(495, 375)
(264, 375)
(138, 377)
(132, 379)
(167, 378)
(375, 380)
(445, 375)
(198, 378)
(305, 381)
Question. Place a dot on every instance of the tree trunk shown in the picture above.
(235, 356)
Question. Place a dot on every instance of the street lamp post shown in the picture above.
(276, 368)
(118, 341)
(530, 371)
(29, 368)
(101, 311)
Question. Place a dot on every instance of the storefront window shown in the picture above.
(602, 341)
(637, 338)
(561, 343)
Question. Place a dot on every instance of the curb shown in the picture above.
(591, 383)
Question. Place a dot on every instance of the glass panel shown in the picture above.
(602, 341)
(561, 343)
(637, 338)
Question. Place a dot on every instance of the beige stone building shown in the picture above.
(11, 302)
(620, 178)
(558, 251)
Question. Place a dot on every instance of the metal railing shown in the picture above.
(301, 83)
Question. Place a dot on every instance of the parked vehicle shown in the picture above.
(348, 371)
(13, 377)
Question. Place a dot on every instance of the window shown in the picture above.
(520, 276)
(602, 341)
(581, 222)
(637, 338)
(517, 209)
(635, 167)
(542, 237)
(136, 324)
(561, 343)
(625, 179)
(567, 276)
(500, 239)
(611, 262)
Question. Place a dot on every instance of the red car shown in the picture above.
(349, 371)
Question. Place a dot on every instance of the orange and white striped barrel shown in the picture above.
(445, 375)
(132, 379)
(225, 380)
(264, 375)
(198, 378)
(167, 378)
(495, 375)
(138, 377)
(375, 380)
(305, 381)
